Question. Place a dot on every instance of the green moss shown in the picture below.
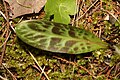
(115, 59)
(101, 77)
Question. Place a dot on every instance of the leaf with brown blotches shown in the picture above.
(57, 37)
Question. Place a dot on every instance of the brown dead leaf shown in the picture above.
(21, 7)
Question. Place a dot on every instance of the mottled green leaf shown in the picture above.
(57, 37)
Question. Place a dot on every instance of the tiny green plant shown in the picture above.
(57, 37)
(61, 9)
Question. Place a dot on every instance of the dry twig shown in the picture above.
(39, 66)
(87, 10)
(7, 33)
(73, 63)
(2, 78)
(111, 15)
(14, 78)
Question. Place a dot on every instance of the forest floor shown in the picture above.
(102, 19)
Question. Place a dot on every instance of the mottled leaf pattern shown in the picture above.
(57, 37)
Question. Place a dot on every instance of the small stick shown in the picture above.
(87, 10)
(6, 40)
(4, 46)
(14, 78)
(117, 74)
(108, 73)
(7, 33)
(39, 66)
(3, 78)
(111, 15)
(75, 64)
